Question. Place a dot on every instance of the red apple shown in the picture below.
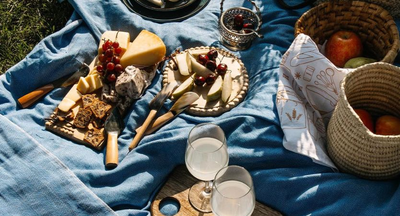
(387, 125)
(365, 118)
(342, 46)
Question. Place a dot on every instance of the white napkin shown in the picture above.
(307, 94)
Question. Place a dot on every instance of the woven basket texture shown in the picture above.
(352, 147)
(372, 23)
(393, 6)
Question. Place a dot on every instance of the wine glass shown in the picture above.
(206, 153)
(233, 192)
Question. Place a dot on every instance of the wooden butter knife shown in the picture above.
(179, 106)
(154, 105)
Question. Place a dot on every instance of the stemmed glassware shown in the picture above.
(233, 192)
(206, 154)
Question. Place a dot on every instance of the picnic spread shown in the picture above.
(96, 117)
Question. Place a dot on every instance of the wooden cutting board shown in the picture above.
(177, 188)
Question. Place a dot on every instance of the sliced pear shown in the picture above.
(216, 89)
(195, 53)
(198, 68)
(186, 86)
(184, 63)
(226, 87)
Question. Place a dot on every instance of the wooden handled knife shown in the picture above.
(179, 106)
(154, 105)
(64, 81)
(113, 127)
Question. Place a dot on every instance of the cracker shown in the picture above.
(94, 137)
(100, 108)
(88, 99)
(83, 118)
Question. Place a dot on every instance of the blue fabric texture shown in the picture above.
(45, 174)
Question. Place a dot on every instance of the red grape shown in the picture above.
(111, 77)
(118, 50)
(100, 68)
(109, 53)
(116, 59)
(118, 68)
(115, 44)
(110, 66)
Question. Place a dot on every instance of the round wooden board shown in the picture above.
(202, 107)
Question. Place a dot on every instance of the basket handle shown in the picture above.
(258, 12)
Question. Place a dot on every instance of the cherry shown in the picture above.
(210, 79)
(211, 65)
(110, 66)
(203, 59)
(199, 81)
(212, 54)
(248, 25)
(222, 68)
(238, 21)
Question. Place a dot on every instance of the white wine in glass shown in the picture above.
(233, 193)
(206, 154)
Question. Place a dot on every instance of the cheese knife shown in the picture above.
(65, 81)
(154, 105)
(179, 106)
(113, 127)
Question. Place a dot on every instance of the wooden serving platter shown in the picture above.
(239, 83)
(177, 188)
(66, 129)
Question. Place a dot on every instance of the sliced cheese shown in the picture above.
(98, 83)
(94, 82)
(90, 81)
(83, 86)
(147, 49)
(123, 38)
(66, 104)
(74, 94)
(93, 71)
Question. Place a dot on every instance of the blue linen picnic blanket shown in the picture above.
(45, 174)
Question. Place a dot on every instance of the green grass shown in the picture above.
(25, 23)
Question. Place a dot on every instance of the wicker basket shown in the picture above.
(352, 147)
(392, 6)
(374, 25)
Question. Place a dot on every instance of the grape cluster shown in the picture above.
(209, 61)
(109, 61)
